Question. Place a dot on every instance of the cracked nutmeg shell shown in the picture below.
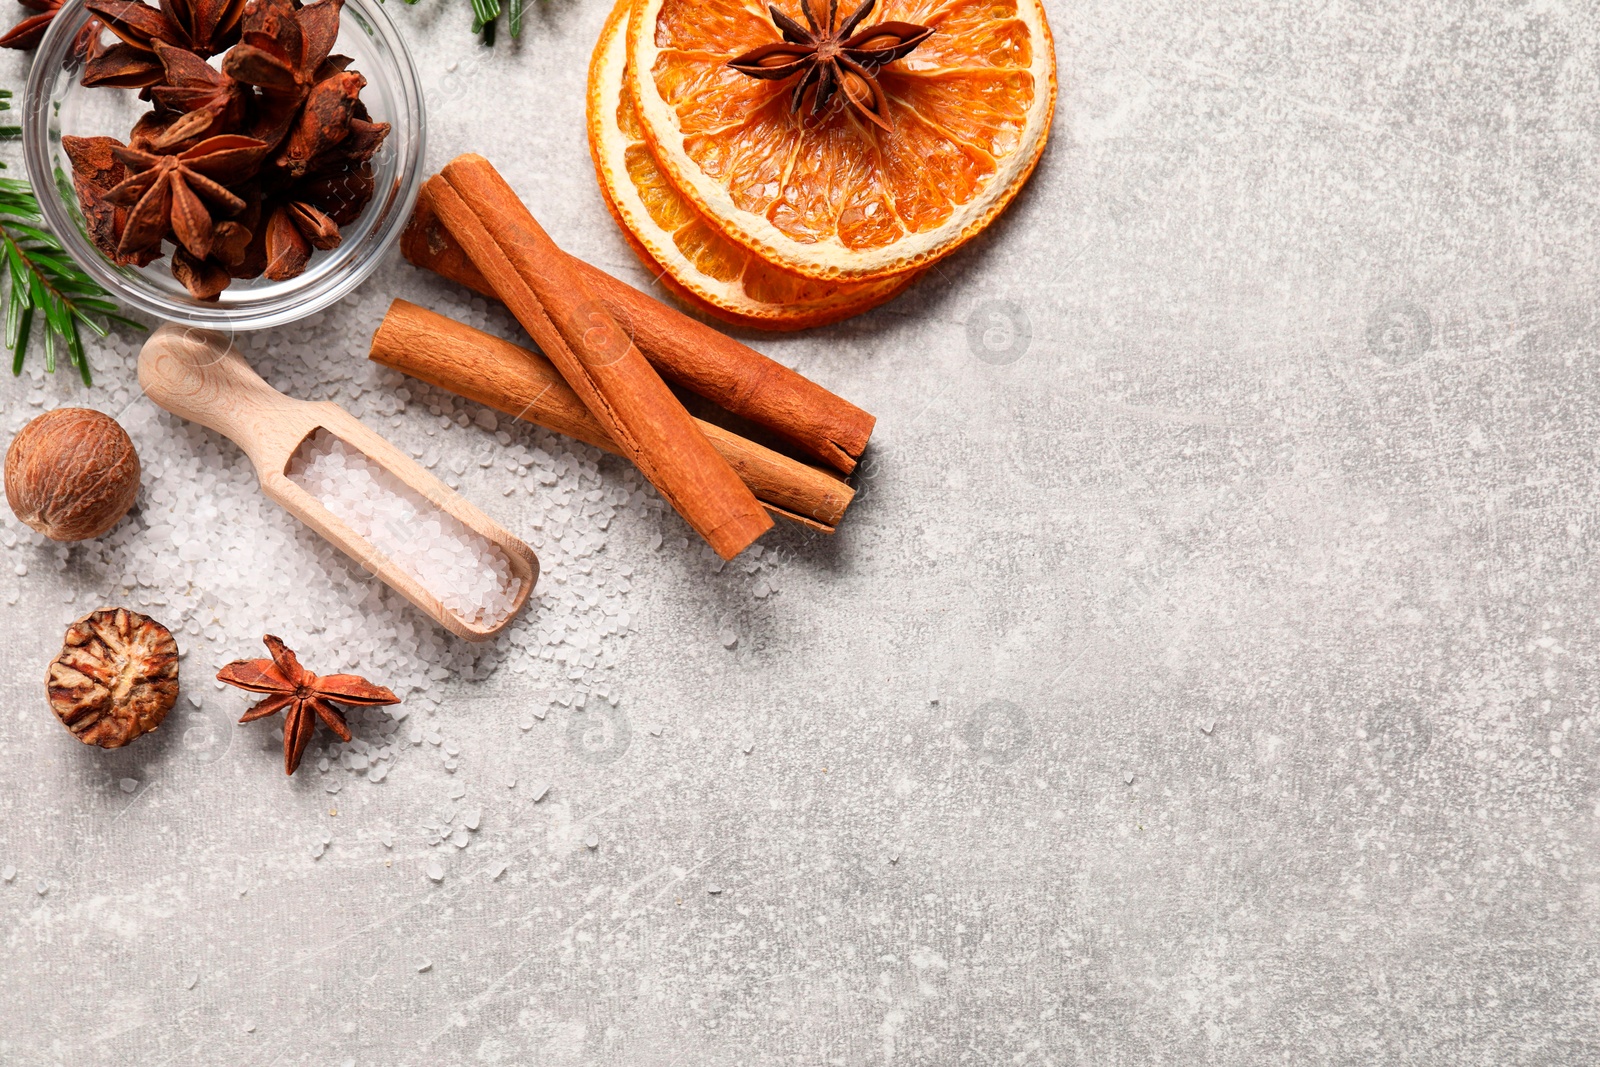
(72, 474)
(116, 677)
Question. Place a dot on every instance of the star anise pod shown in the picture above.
(834, 57)
(209, 101)
(166, 191)
(95, 172)
(304, 696)
(30, 31)
(294, 228)
(283, 48)
(204, 27)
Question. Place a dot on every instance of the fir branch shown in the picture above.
(45, 279)
(486, 17)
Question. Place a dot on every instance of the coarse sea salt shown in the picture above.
(468, 573)
(208, 554)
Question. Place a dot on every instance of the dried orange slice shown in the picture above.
(690, 256)
(833, 196)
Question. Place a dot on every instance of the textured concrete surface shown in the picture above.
(1206, 674)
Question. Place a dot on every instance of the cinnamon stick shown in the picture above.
(605, 369)
(686, 351)
(523, 384)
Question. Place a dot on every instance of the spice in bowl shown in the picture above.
(246, 167)
(72, 474)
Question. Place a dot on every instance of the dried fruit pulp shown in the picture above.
(830, 196)
(675, 240)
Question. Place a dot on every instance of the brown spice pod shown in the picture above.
(116, 677)
(72, 474)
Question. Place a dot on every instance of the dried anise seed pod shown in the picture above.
(30, 31)
(323, 123)
(95, 172)
(282, 49)
(195, 88)
(204, 278)
(205, 27)
(302, 695)
(116, 677)
(293, 230)
(833, 58)
(165, 191)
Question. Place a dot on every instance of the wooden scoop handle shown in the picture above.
(201, 376)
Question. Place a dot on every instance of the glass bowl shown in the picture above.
(56, 105)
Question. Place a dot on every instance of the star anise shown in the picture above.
(30, 31)
(209, 101)
(204, 27)
(834, 57)
(95, 172)
(294, 228)
(304, 696)
(166, 191)
(283, 48)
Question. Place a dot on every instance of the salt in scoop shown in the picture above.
(200, 376)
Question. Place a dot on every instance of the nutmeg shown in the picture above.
(72, 474)
(116, 677)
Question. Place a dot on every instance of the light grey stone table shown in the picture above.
(1205, 675)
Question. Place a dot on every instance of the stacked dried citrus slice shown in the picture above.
(843, 152)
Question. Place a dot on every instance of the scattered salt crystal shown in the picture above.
(459, 839)
(317, 850)
(435, 870)
(655, 542)
(129, 785)
(714, 889)
(728, 638)
(190, 980)
(471, 819)
(8, 873)
(496, 870)
(387, 838)
(424, 966)
(537, 790)
(457, 791)
(43, 887)
(511, 783)
(592, 841)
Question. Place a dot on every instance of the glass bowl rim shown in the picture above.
(278, 309)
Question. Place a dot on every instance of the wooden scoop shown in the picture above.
(200, 376)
